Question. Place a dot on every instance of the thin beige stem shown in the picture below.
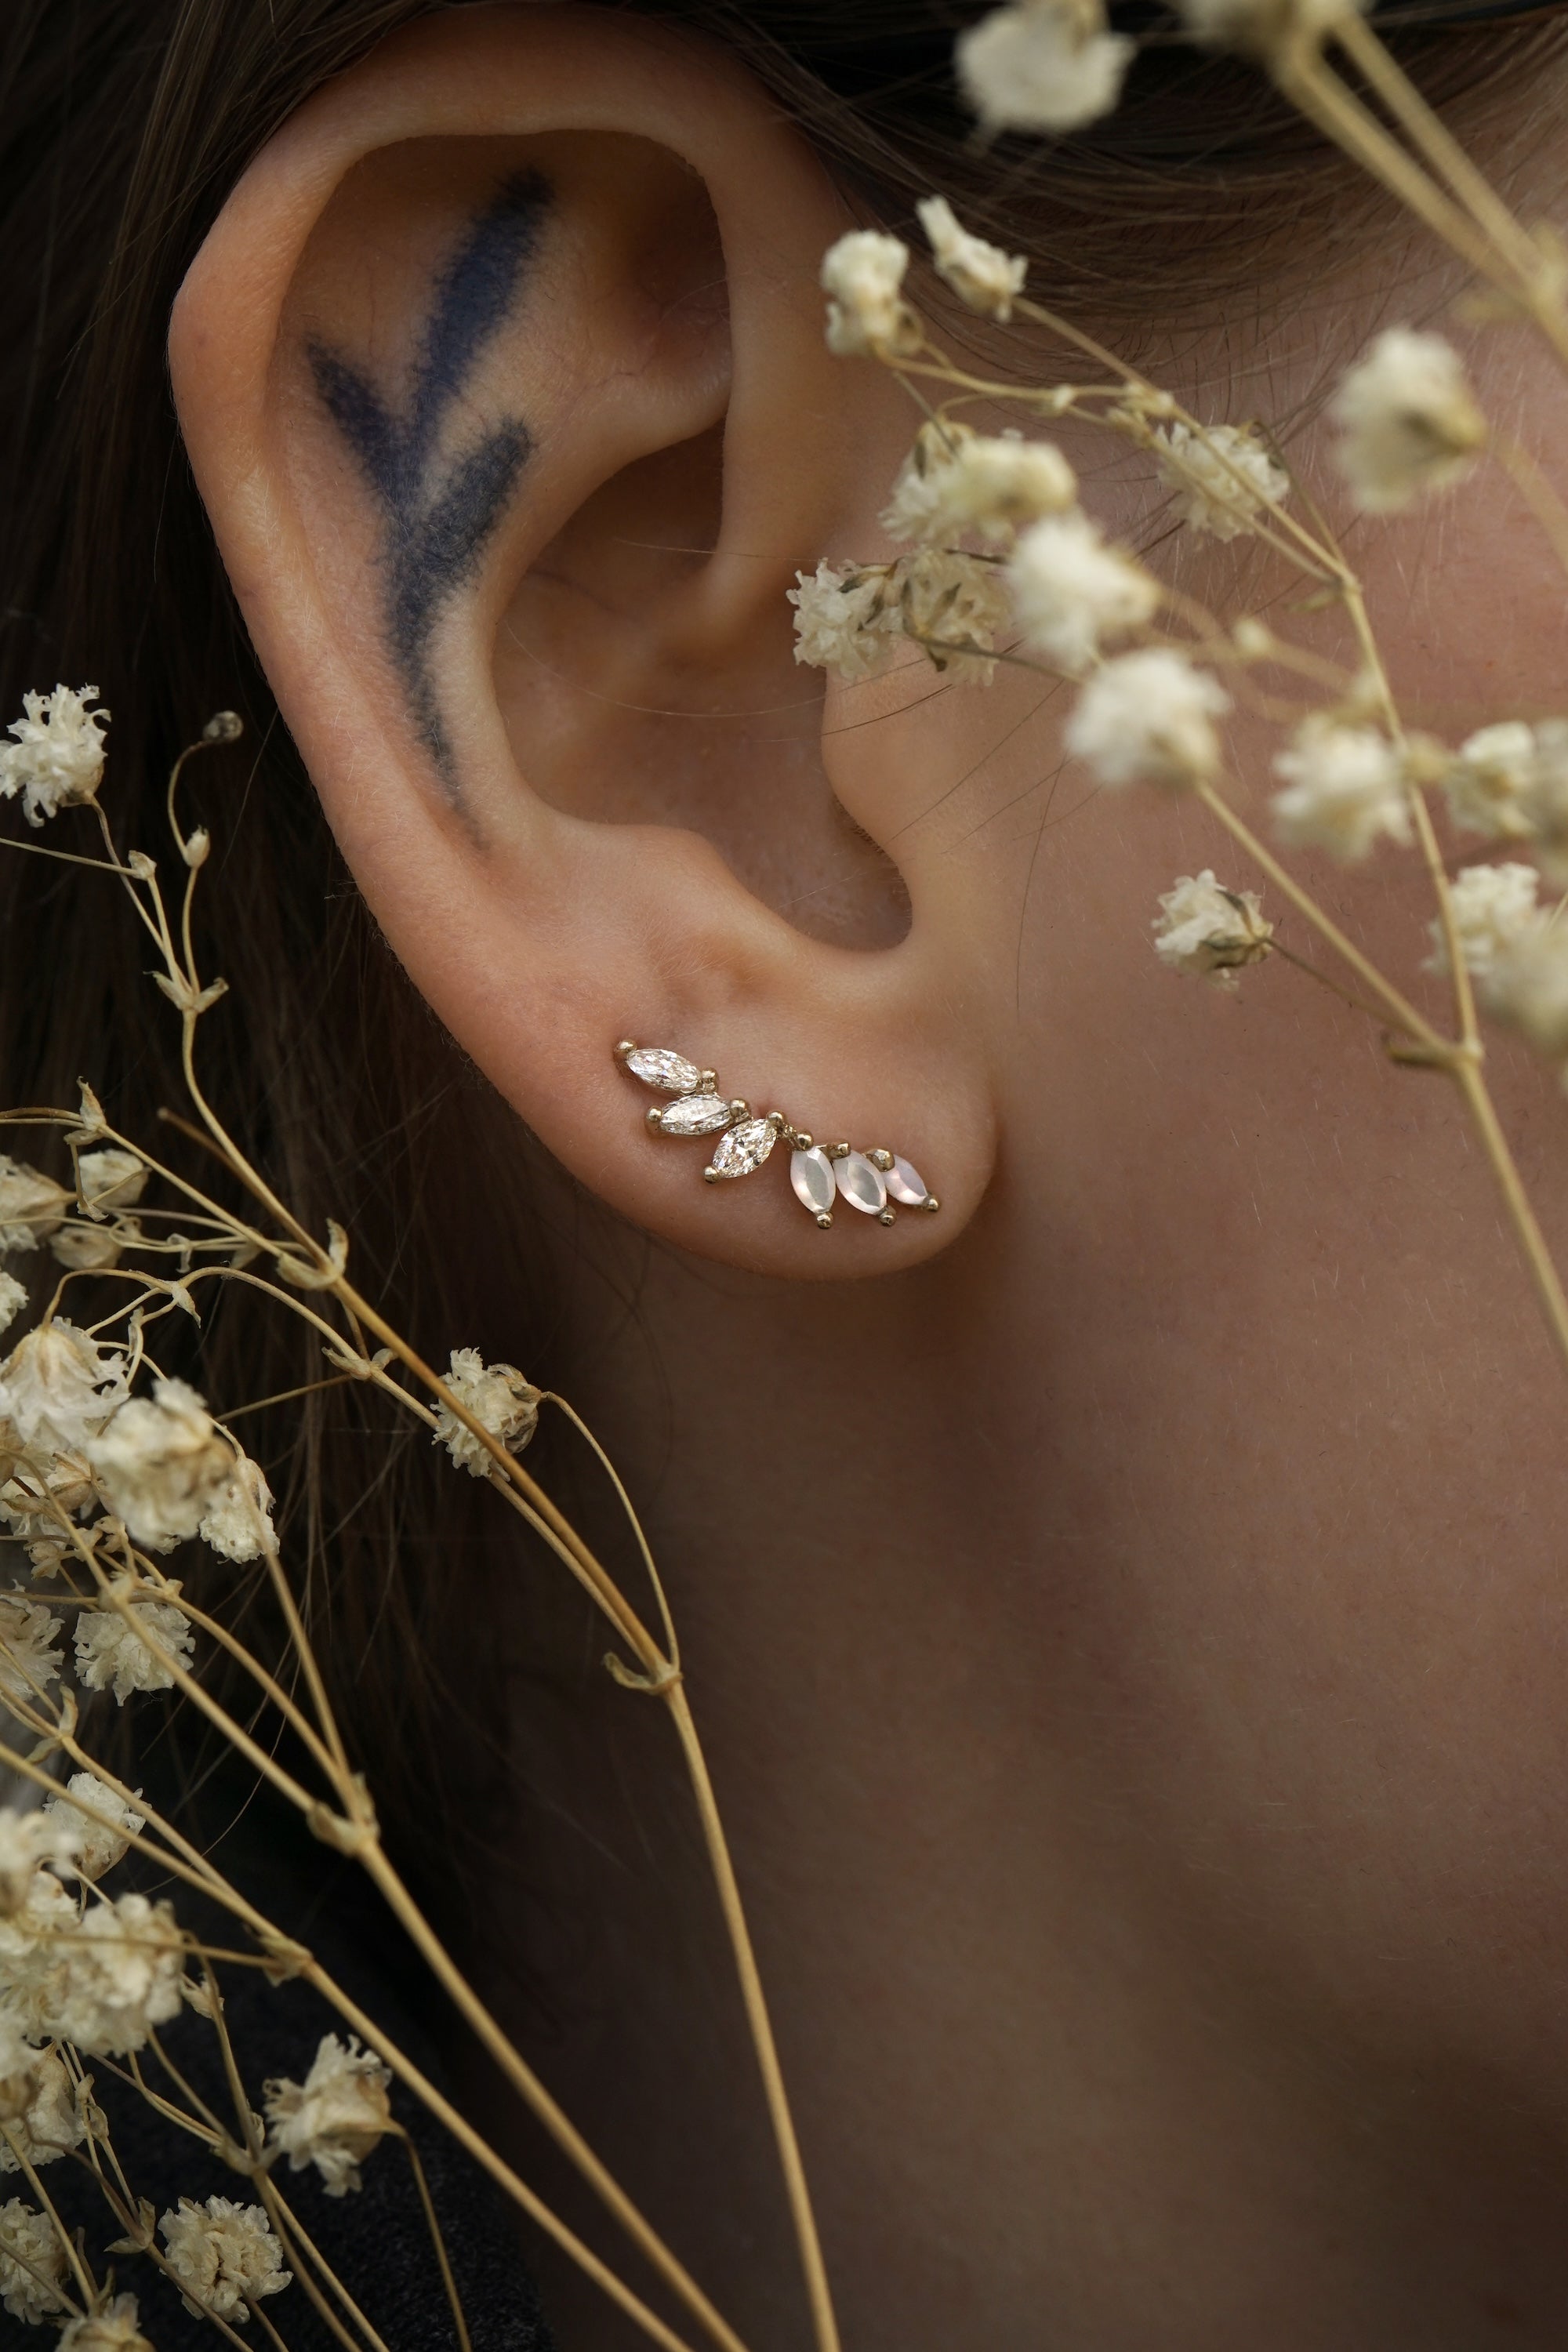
(83, 2277)
(824, 2323)
(437, 2240)
(1397, 1008)
(285, 2219)
(1472, 1085)
(463, 2132)
(1346, 995)
(670, 1641)
(556, 2122)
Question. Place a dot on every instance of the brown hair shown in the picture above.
(124, 124)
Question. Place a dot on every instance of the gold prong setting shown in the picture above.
(877, 1181)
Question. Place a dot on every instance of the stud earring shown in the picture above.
(878, 1182)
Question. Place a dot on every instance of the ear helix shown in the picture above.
(872, 1181)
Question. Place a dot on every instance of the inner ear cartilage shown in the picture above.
(878, 1182)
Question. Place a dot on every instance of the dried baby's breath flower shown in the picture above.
(981, 275)
(161, 1463)
(955, 481)
(1408, 421)
(957, 606)
(31, 1205)
(111, 1654)
(29, 1661)
(1493, 906)
(1489, 778)
(1042, 65)
(13, 1298)
(1070, 590)
(114, 2328)
(1148, 718)
(1346, 790)
(32, 2263)
(27, 1842)
(1210, 932)
(863, 274)
(110, 1179)
(102, 1982)
(1527, 988)
(1203, 470)
(43, 1489)
(59, 1386)
(57, 759)
(39, 2106)
(89, 1249)
(97, 1848)
(221, 2254)
(841, 621)
(498, 1397)
(336, 2117)
(239, 1523)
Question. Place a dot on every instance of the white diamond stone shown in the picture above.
(744, 1147)
(906, 1185)
(695, 1114)
(672, 1074)
(860, 1184)
(811, 1173)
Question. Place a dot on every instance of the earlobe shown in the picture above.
(502, 374)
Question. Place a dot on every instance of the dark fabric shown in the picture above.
(377, 2240)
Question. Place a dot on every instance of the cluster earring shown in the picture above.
(878, 1182)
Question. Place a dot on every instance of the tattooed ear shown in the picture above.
(504, 379)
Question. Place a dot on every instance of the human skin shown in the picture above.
(1127, 1631)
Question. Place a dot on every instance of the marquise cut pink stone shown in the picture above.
(744, 1147)
(695, 1114)
(860, 1184)
(907, 1185)
(811, 1174)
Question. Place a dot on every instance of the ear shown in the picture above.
(502, 377)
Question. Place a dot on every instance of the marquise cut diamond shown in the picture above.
(744, 1147)
(671, 1073)
(695, 1114)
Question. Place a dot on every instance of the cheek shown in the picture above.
(1296, 1435)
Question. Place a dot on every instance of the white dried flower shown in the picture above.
(38, 2105)
(1346, 790)
(29, 1661)
(1493, 905)
(111, 1653)
(27, 1842)
(498, 1397)
(841, 621)
(1070, 590)
(1148, 718)
(58, 1386)
(1042, 65)
(863, 273)
(1203, 468)
(88, 1249)
(13, 1298)
(32, 2263)
(57, 759)
(981, 275)
(1488, 780)
(221, 2254)
(31, 1205)
(113, 2329)
(1408, 421)
(336, 2117)
(955, 481)
(1546, 800)
(1527, 988)
(1209, 932)
(97, 1845)
(161, 1463)
(956, 605)
(239, 1522)
(104, 1980)
(110, 1178)
(40, 1491)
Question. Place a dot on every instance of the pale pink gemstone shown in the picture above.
(906, 1185)
(860, 1184)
